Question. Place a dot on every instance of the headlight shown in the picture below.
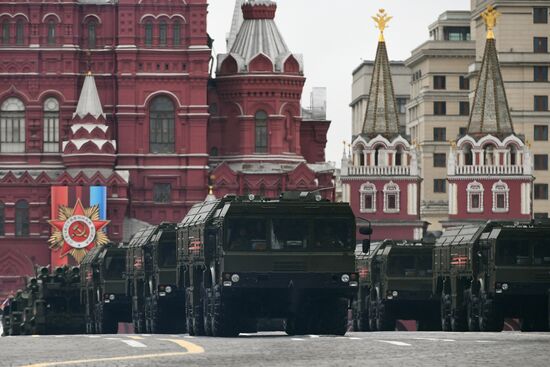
(168, 289)
(112, 297)
(235, 278)
(394, 293)
(504, 286)
(345, 278)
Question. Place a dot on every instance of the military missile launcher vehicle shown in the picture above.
(103, 289)
(157, 297)
(245, 259)
(395, 283)
(49, 304)
(484, 273)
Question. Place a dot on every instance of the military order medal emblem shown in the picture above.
(77, 230)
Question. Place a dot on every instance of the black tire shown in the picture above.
(384, 318)
(472, 311)
(106, 323)
(363, 317)
(334, 320)
(372, 314)
(490, 316)
(445, 312)
(224, 320)
(207, 315)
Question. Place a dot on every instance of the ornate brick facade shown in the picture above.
(144, 129)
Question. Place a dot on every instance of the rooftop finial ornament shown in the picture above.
(382, 19)
(490, 17)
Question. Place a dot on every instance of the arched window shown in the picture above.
(361, 156)
(377, 156)
(391, 198)
(468, 156)
(148, 34)
(22, 218)
(161, 131)
(12, 126)
(92, 34)
(489, 155)
(399, 156)
(261, 132)
(513, 155)
(163, 33)
(501, 197)
(51, 32)
(475, 197)
(5, 32)
(2, 218)
(177, 33)
(19, 32)
(368, 198)
(51, 125)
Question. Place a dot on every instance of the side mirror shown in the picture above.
(367, 231)
(366, 245)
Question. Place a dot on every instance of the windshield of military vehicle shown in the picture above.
(167, 253)
(114, 267)
(410, 266)
(289, 234)
(521, 248)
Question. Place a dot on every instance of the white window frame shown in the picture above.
(12, 126)
(367, 189)
(501, 188)
(391, 188)
(51, 126)
(475, 188)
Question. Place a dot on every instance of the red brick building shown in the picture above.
(149, 123)
(380, 177)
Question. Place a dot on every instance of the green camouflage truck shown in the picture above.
(395, 283)
(245, 260)
(157, 298)
(486, 272)
(49, 304)
(103, 289)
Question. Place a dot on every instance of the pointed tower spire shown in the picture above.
(490, 113)
(89, 102)
(381, 116)
(235, 24)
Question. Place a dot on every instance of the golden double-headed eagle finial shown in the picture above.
(382, 19)
(490, 17)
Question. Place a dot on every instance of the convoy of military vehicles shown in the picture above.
(245, 264)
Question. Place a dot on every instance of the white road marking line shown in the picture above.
(93, 336)
(145, 334)
(436, 339)
(297, 339)
(392, 342)
(34, 336)
(60, 336)
(113, 338)
(485, 341)
(313, 336)
(354, 338)
(189, 336)
(134, 343)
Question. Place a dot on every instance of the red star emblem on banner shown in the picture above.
(79, 230)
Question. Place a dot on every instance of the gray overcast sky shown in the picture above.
(334, 36)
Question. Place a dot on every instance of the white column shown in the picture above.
(412, 199)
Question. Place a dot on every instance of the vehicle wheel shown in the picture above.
(206, 313)
(384, 319)
(458, 320)
(445, 311)
(472, 311)
(490, 317)
(223, 319)
(198, 320)
(333, 318)
(363, 323)
(106, 323)
(372, 314)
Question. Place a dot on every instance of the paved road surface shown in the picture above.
(276, 349)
